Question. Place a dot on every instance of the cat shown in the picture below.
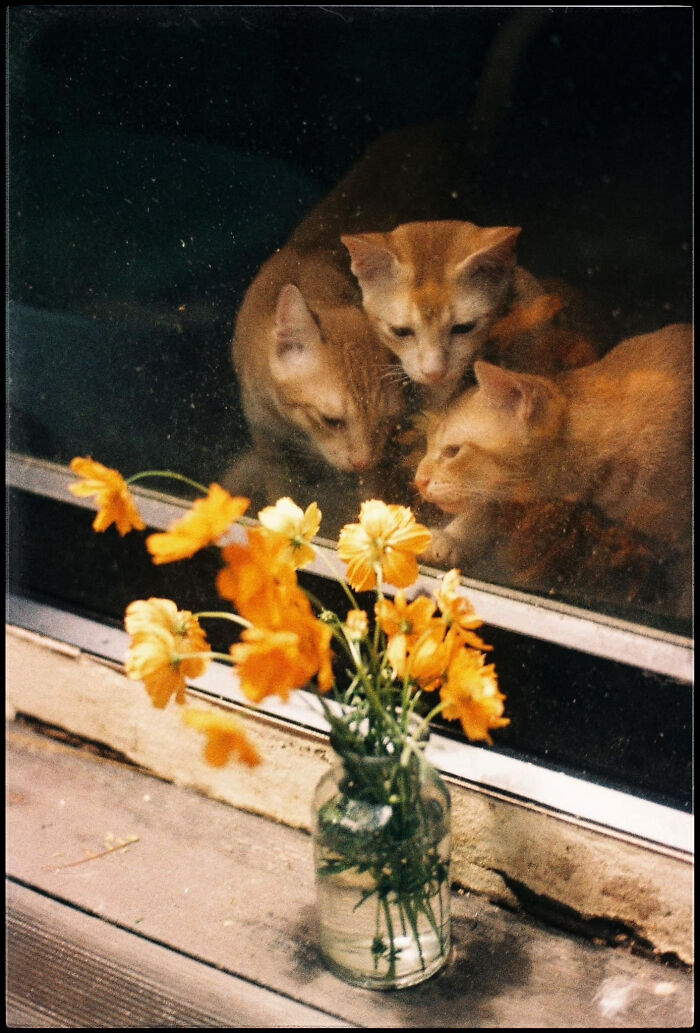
(434, 291)
(309, 367)
(614, 435)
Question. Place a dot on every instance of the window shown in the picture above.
(160, 156)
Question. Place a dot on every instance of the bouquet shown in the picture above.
(381, 677)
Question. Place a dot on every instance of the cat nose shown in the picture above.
(421, 481)
(434, 375)
(360, 464)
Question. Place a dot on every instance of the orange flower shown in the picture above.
(457, 611)
(225, 735)
(116, 506)
(387, 538)
(274, 661)
(429, 658)
(168, 645)
(472, 695)
(205, 523)
(404, 623)
(259, 579)
(294, 526)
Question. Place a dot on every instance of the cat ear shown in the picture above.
(514, 393)
(371, 263)
(296, 334)
(496, 255)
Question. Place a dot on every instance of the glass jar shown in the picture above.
(381, 832)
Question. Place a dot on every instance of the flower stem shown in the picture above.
(224, 616)
(167, 473)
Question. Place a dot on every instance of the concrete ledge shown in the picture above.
(516, 855)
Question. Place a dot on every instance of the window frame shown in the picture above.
(578, 799)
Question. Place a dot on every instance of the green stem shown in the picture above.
(224, 617)
(168, 473)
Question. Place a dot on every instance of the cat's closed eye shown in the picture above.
(463, 328)
(333, 422)
(402, 331)
(449, 451)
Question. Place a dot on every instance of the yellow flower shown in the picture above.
(294, 526)
(116, 506)
(168, 646)
(273, 661)
(356, 625)
(259, 579)
(225, 735)
(404, 623)
(387, 537)
(472, 695)
(457, 611)
(205, 523)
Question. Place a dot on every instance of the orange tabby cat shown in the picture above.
(310, 372)
(615, 435)
(434, 290)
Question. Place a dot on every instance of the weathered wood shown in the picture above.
(234, 892)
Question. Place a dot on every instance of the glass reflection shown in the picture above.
(430, 250)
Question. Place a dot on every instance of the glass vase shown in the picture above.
(381, 832)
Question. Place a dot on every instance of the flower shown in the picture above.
(426, 646)
(275, 661)
(206, 522)
(296, 526)
(116, 506)
(168, 645)
(259, 578)
(387, 539)
(404, 623)
(356, 625)
(225, 735)
(471, 695)
(458, 611)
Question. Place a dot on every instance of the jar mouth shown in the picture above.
(395, 750)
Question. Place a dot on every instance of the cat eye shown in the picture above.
(449, 451)
(402, 331)
(463, 328)
(333, 423)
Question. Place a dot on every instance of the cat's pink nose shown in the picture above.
(434, 376)
(421, 481)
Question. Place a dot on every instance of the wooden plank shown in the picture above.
(67, 969)
(235, 892)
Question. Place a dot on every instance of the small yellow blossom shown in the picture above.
(115, 504)
(294, 526)
(387, 538)
(168, 646)
(458, 611)
(225, 735)
(356, 625)
(205, 523)
(472, 696)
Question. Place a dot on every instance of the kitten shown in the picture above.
(310, 371)
(614, 435)
(434, 290)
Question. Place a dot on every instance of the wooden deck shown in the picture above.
(206, 919)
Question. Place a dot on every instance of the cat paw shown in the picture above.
(443, 550)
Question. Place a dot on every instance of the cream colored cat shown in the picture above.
(434, 290)
(615, 435)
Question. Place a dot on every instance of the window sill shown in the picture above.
(512, 852)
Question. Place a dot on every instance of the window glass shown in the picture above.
(177, 173)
